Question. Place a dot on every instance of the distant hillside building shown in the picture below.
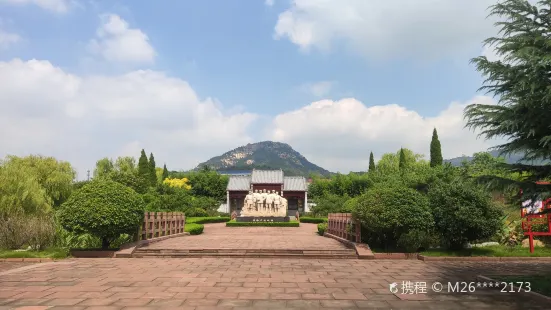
(295, 189)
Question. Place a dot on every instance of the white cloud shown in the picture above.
(117, 42)
(46, 110)
(7, 39)
(58, 6)
(338, 135)
(318, 89)
(387, 28)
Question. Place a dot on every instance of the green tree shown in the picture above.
(463, 212)
(436, 158)
(143, 166)
(20, 192)
(371, 162)
(103, 208)
(126, 164)
(103, 167)
(165, 173)
(152, 170)
(521, 82)
(55, 177)
(402, 161)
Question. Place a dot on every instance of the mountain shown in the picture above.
(265, 155)
(510, 159)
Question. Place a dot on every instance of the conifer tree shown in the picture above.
(436, 158)
(165, 173)
(520, 79)
(371, 162)
(143, 166)
(152, 171)
(402, 163)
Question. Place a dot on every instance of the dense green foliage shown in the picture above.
(521, 81)
(322, 228)
(194, 228)
(436, 158)
(402, 161)
(463, 213)
(391, 212)
(313, 220)
(233, 223)
(103, 208)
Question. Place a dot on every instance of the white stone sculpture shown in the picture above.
(264, 204)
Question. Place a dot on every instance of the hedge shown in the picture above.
(313, 220)
(207, 220)
(194, 229)
(233, 223)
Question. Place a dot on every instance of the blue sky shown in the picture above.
(335, 79)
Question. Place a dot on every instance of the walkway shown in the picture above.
(252, 284)
(218, 236)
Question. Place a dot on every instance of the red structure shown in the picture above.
(531, 216)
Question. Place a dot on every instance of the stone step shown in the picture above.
(246, 255)
(145, 252)
(244, 251)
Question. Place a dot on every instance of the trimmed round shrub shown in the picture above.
(463, 212)
(322, 227)
(194, 228)
(390, 211)
(103, 208)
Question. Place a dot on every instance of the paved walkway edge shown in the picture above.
(24, 268)
(531, 294)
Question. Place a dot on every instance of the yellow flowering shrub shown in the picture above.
(180, 183)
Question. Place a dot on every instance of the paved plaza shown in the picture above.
(253, 283)
(129, 283)
(218, 236)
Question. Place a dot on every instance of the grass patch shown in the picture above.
(194, 228)
(538, 283)
(493, 251)
(233, 223)
(313, 220)
(56, 253)
(207, 220)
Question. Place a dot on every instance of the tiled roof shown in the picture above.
(295, 184)
(239, 183)
(267, 177)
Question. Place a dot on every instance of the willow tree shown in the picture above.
(521, 82)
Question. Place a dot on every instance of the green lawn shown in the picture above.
(538, 283)
(47, 253)
(494, 251)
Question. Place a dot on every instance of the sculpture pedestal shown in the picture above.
(262, 219)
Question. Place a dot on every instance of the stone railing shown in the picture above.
(159, 224)
(343, 225)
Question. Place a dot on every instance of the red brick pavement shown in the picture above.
(218, 236)
(242, 283)
(5, 266)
